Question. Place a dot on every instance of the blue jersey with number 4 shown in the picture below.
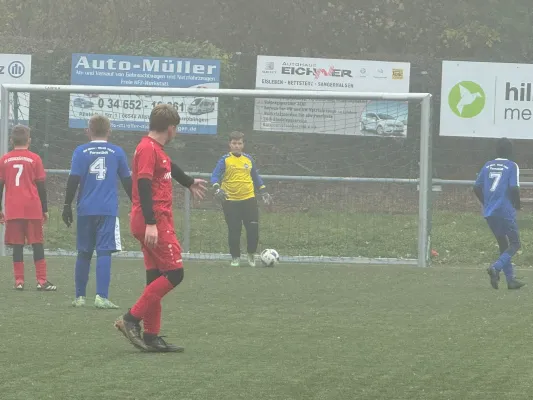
(496, 178)
(99, 164)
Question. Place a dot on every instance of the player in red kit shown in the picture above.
(152, 224)
(23, 178)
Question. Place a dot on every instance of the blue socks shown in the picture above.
(81, 273)
(103, 274)
(508, 271)
(504, 263)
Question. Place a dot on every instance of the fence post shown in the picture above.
(426, 184)
(187, 222)
(4, 147)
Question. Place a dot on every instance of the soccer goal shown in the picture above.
(350, 173)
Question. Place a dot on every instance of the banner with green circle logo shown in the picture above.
(466, 99)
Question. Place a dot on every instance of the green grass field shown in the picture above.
(291, 332)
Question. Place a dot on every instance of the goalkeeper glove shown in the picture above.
(67, 215)
(267, 198)
(219, 193)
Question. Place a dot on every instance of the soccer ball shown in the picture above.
(269, 257)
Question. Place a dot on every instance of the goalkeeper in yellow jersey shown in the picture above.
(236, 183)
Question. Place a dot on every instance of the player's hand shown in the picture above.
(150, 236)
(45, 216)
(67, 216)
(2, 218)
(266, 197)
(198, 189)
(220, 195)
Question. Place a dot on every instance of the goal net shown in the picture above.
(349, 173)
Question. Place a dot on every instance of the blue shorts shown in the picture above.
(100, 232)
(501, 226)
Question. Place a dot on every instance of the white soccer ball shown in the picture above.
(269, 257)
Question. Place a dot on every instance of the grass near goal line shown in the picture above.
(459, 238)
(294, 332)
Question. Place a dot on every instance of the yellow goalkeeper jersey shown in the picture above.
(237, 175)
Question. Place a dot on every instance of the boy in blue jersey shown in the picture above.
(95, 168)
(235, 180)
(498, 189)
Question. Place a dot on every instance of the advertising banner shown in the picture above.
(16, 68)
(338, 117)
(128, 112)
(486, 100)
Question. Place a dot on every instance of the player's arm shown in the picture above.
(180, 176)
(514, 187)
(40, 179)
(124, 173)
(146, 159)
(260, 185)
(478, 187)
(196, 186)
(72, 186)
(216, 178)
(73, 182)
(41, 190)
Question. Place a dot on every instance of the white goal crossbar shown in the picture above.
(424, 99)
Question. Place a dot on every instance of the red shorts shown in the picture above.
(166, 255)
(24, 231)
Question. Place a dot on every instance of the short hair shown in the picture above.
(163, 116)
(20, 135)
(504, 148)
(99, 126)
(236, 135)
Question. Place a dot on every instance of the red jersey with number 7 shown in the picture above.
(20, 170)
(150, 161)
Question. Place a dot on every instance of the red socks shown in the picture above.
(148, 307)
(152, 320)
(40, 270)
(18, 271)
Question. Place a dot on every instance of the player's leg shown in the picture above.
(18, 266)
(85, 242)
(128, 324)
(233, 218)
(166, 257)
(152, 321)
(147, 305)
(501, 228)
(35, 237)
(170, 268)
(503, 243)
(250, 217)
(108, 241)
(513, 236)
(14, 237)
(496, 226)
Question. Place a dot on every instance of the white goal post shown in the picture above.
(424, 180)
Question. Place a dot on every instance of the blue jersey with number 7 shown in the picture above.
(496, 179)
(99, 165)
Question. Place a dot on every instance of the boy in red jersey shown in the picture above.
(152, 224)
(22, 175)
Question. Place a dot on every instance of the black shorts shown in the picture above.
(241, 210)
